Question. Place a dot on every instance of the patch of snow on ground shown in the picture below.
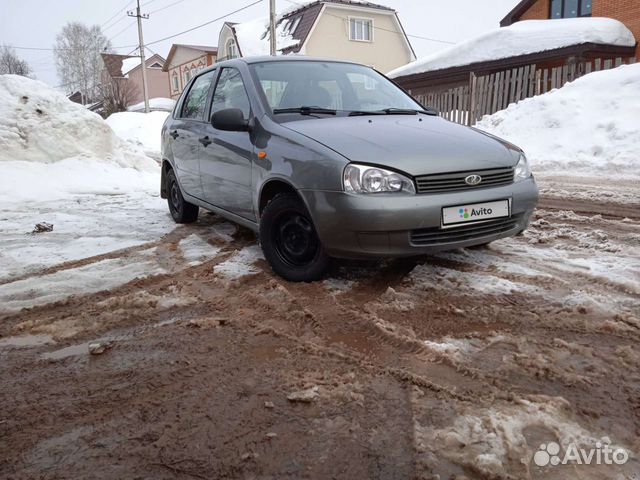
(91, 278)
(522, 38)
(588, 127)
(493, 440)
(429, 276)
(140, 129)
(241, 263)
(338, 285)
(195, 250)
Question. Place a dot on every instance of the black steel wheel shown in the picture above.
(290, 242)
(181, 210)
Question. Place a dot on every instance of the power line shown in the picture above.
(165, 7)
(155, 41)
(206, 23)
(115, 14)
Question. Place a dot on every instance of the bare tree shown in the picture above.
(117, 94)
(78, 62)
(11, 63)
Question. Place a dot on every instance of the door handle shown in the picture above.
(174, 134)
(205, 141)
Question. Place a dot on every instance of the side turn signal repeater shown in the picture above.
(262, 155)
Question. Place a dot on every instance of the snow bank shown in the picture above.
(589, 127)
(39, 124)
(140, 129)
(522, 38)
(158, 103)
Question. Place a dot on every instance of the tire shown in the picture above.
(290, 242)
(181, 210)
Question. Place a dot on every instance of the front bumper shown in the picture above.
(356, 226)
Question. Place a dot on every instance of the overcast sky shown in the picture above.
(35, 23)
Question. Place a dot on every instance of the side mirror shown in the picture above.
(229, 119)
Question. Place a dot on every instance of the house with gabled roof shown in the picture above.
(184, 61)
(127, 70)
(358, 31)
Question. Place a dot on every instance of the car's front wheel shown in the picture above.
(290, 242)
(181, 210)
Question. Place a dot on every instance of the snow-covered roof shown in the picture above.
(522, 38)
(253, 36)
(129, 64)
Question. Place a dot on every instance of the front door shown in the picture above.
(225, 163)
(186, 130)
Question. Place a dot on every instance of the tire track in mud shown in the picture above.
(380, 324)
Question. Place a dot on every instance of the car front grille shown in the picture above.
(451, 182)
(472, 231)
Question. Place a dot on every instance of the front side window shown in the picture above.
(230, 92)
(196, 100)
(361, 29)
(344, 87)
(571, 8)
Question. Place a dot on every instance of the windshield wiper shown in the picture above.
(393, 111)
(305, 110)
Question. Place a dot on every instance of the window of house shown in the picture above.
(361, 29)
(230, 92)
(571, 8)
(195, 103)
(175, 82)
(187, 76)
(231, 49)
(156, 65)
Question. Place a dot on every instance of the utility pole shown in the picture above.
(272, 27)
(145, 90)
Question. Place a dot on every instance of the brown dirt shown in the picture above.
(195, 384)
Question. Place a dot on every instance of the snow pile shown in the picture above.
(587, 127)
(158, 103)
(253, 36)
(38, 124)
(523, 38)
(141, 129)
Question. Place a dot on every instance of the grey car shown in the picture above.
(327, 158)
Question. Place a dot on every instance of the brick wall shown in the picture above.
(537, 11)
(627, 11)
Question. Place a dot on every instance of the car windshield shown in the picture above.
(316, 87)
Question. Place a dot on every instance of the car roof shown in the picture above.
(277, 58)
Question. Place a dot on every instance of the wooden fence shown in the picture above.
(487, 94)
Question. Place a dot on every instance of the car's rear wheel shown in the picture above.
(290, 242)
(181, 210)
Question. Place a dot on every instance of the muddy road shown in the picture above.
(461, 365)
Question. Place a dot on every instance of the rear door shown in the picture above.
(226, 162)
(185, 132)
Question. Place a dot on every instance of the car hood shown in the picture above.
(415, 144)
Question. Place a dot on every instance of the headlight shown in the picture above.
(367, 179)
(522, 170)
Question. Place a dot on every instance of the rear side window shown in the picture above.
(195, 102)
(230, 92)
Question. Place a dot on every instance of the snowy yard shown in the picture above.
(459, 364)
